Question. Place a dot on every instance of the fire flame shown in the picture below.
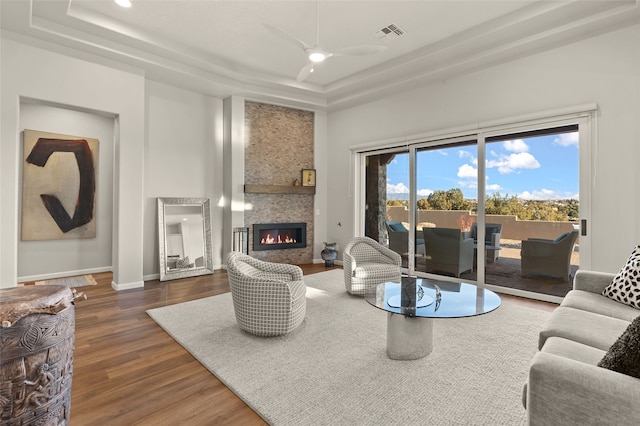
(269, 239)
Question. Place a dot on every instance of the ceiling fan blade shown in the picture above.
(286, 36)
(360, 50)
(305, 71)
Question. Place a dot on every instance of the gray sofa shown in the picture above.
(565, 385)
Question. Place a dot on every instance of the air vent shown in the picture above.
(390, 32)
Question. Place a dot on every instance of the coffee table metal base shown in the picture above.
(408, 337)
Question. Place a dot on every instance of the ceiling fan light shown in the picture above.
(123, 3)
(317, 57)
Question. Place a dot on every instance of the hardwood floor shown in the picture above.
(128, 371)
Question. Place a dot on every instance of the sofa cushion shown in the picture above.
(584, 327)
(573, 350)
(598, 304)
(624, 354)
(382, 271)
(625, 286)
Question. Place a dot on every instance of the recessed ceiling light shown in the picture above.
(123, 3)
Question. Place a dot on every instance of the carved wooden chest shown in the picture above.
(36, 355)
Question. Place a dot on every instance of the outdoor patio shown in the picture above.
(506, 272)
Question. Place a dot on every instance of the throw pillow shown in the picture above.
(397, 227)
(625, 287)
(183, 263)
(624, 354)
(561, 237)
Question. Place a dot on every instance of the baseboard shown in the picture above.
(151, 277)
(337, 262)
(64, 274)
(127, 286)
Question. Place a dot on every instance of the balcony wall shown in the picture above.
(512, 228)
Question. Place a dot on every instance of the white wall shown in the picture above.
(183, 158)
(603, 70)
(73, 256)
(49, 78)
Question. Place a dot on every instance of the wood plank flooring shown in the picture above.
(128, 371)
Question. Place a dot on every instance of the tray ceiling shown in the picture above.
(223, 48)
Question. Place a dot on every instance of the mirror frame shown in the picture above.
(203, 203)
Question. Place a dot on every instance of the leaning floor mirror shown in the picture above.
(184, 231)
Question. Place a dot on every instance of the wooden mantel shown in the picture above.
(279, 189)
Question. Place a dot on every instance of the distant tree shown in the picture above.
(571, 208)
(423, 204)
(394, 203)
(496, 204)
(452, 199)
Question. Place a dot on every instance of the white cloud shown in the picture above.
(509, 163)
(471, 184)
(567, 139)
(546, 194)
(516, 145)
(493, 187)
(400, 188)
(467, 171)
(424, 192)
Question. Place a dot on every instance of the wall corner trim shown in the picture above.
(127, 286)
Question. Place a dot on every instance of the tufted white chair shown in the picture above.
(269, 299)
(367, 263)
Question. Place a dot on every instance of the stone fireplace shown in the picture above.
(279, 144)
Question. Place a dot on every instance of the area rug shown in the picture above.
(334, 369)
(79, 281)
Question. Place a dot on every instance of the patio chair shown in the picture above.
(491, 238)
(269, 299)
(548, 257)
(399, 238)
(447, 250)
(368, 263)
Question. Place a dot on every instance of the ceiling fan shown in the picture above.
(316, 54)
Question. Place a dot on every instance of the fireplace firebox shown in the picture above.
(279, 236)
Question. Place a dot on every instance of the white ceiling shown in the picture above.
(222, 47)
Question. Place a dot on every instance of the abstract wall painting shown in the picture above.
(59, 182)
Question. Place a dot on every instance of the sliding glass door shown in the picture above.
(499, 208)
(446, 194)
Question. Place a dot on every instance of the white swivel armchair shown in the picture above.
(269, 299)
(367, 263)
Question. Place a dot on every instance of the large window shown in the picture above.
(516, 228)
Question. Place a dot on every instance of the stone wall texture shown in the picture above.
(279, 144)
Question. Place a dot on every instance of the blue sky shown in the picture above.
(538, 168)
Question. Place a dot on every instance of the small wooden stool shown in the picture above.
(37, 334)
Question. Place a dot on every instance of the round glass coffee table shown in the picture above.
(412, 305)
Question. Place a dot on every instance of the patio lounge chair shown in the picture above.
(399, 238)
(548, 257)
(491, 239)
(446, 250)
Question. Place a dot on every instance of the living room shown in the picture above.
(168, 138)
